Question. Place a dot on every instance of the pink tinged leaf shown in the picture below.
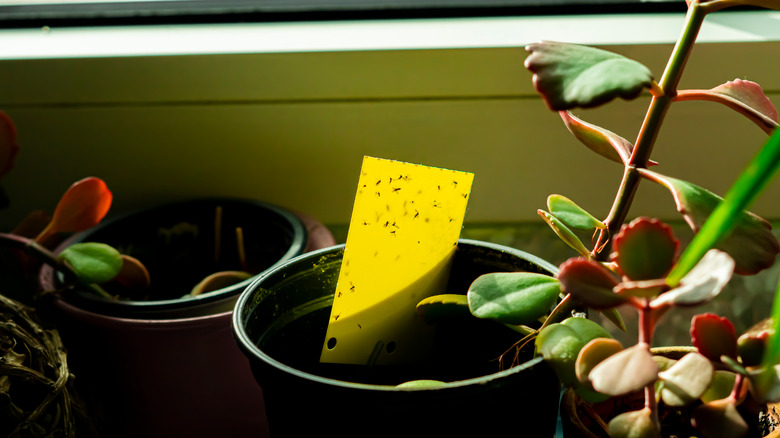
(634, 424)
(629, 370)
(82, 206)
(589, 283)
(641, 289)
(705, 281)
(645, 249)
(599, 140)
(593, 353)
(745, 97)
(686, 380)
(751, 244)
(9, 148)
(714, 336)
(569, 75)
(133, 274)
(719, 419)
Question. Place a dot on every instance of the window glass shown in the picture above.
(16, 13)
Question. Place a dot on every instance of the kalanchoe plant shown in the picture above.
(639, 265)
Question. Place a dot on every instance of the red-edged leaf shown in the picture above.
(601, 141)
(563, 231)
(752, 344)
(645, 249)
(705, 281)
(589, 283)
(745, 97)
(572, 214)
(627, 371)
(714, 336)
(716, 5)
(82, 206)
(751, 244)
(720, 419)
(133, 274)
(9, 148)
(569, 75)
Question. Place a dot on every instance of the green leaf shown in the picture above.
(747, 238)
(560, 344)
(721, 387)
(92, 262)
(564, 233)
(745, 97)
(416, 384)
(634, 424)
(572, 214)
(645, 249)
(442, 307)
(513, 297)
(569, 75)
(601, 141)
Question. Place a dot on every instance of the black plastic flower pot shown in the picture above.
(280, 322)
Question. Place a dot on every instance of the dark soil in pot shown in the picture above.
(280, 323)
(176, 243)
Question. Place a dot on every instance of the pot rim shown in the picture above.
(140, 309)
(239, 331)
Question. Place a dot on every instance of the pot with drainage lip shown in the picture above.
(280, 322)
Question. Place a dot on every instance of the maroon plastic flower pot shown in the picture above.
(170, 367)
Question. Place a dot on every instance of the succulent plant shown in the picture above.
(639, 264)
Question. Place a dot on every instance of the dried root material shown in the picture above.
(36, 388)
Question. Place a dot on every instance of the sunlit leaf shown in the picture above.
(572, 214)
(442, 307)
(219, 280)
(513, 297)
(569, 75)
(629, 370)
(716, 5)
(641, 289)
(560, 344)
(604, 142)
(564, 233)
(593, 353)
(82, 206)
(745, 97)
(645, 249)
(686, 380)
(703, 283)
(714, 336)
(589, 283)
(719, 419)
(634, 424)
(92, 262)
(9, 147)
(751, 243)
(415, 384)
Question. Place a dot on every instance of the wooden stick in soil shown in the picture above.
(240, 246)
(217, 232)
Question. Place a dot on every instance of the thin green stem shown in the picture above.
(662, 99)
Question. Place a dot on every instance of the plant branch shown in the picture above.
(663, 96)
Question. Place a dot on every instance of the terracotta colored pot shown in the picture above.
(171, 367)
(280, 322)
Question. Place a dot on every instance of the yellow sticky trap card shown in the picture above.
(402, 236)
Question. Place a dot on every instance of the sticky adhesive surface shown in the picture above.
(404, 230)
